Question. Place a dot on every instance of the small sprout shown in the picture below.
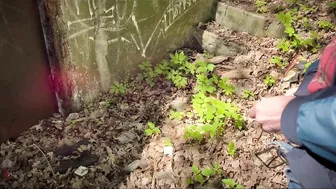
(325, 24)
(228, 89)
(176, 115)
(261, 6)
(229, 182)
(193, 132)
(189, 181)
(167, 142)
(247, 94)
(284, 46)
(208, 172)
(198, 176)
(231, 149)
(152, 129)
(269, 81)
(290, 31)
(232, 184)
(216, 167)
(118, 88)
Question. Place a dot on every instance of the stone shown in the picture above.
(216, 45)
(254, 24)
(275, 29)
(145, 181)
(72, 116)
(98, 42)
(81, 171)
(135, 164)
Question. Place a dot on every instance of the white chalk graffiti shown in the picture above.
(116, 18)
(108, 24)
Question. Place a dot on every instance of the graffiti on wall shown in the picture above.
(116, 18)
(111, 25)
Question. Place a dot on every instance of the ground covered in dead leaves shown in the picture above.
(107, 138)
(118, 154)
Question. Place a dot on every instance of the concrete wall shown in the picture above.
(25, 92)
(96, 42)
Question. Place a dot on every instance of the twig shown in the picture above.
(45, 158)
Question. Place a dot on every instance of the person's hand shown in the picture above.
(268, 112)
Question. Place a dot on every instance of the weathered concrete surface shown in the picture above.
(105, 40)
(25, 92)
(217, 45)
(254, 24)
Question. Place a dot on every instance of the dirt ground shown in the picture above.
(108, 137)
(112, 130)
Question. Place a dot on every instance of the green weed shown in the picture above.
(325, 24)
(232, 184)
(167, 142)
(278, 61)
(227, 88)
(152, 129)
(231, 149)
(176, 115)
(247, 94)
(118, 88)
(201, 175)
(269, 81)
(261, 6)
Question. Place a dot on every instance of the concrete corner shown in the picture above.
(240, 20)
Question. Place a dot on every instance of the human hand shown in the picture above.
(268, 112)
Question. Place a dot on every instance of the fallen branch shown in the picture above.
(45, 158)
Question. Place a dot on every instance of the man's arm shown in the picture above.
(310, 121)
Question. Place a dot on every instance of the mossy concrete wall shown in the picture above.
(92, 43)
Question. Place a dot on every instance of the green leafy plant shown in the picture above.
(331, 6)
(201, 175)
(325, 24)
(118, 88)
(152, 129)
(178, 58)
(290, 19)
(205, 84)
(193, 132)
(231, 149)
(148, 74)
(269, 81)
(212, 113)
(232, 184)
(167, 142)
(197, 174)
(204, 67)
(247, 94)
(285, 18)
(176, 115)
(278, 61)
(178, 80)
(284, 45)
(261, 6)
(163, 68)
(217, 168)
(228, 89)
(180, 70)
